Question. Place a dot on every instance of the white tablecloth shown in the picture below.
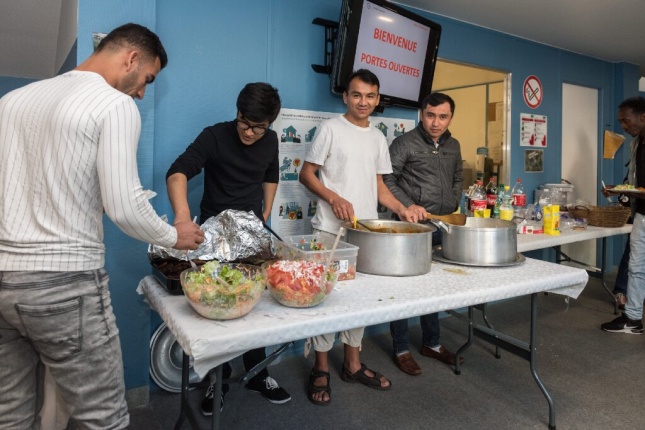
(364, 301)
(531, 242)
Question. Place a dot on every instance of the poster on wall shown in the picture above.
(533, 160)
(294, 206)
(533, 130)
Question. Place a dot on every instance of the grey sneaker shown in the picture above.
(622, 324)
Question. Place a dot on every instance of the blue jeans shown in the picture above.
(62, 320)
(623, 272)
(430, 329)
(636, 278)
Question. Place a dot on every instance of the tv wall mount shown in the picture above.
(331, 27)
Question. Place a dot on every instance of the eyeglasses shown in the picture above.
(257, 130)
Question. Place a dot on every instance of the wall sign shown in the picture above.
(532, 92)
(533, 130)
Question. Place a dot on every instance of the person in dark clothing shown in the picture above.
(240, 163)
(631, 116)
(426, 171)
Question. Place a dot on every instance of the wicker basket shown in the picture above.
(602, 216)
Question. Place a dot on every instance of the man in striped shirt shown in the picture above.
(68, 153)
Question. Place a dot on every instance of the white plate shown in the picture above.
(166, 358)
(437, 254)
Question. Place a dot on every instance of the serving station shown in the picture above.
(364, 301)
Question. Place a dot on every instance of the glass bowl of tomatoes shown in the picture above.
(300, 283)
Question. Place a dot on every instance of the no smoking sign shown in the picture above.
(532, 92)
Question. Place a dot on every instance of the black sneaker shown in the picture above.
(207, 403)
(622, 324)
(270, 389)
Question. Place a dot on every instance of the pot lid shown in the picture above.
(166, 358)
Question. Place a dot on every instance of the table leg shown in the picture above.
(533, 359)
(185, 411)
(595, 272)
(524, 350)
(468, 342)
(217, 398)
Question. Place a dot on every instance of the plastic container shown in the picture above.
(311, 247)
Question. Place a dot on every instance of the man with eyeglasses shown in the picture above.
(241, 172)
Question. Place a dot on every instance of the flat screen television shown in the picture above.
(399, 46)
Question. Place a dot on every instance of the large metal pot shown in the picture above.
(481, 241)
(400, 249)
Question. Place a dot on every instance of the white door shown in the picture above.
(580, 155)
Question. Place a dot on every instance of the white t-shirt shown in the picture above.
(350, 158)
(68, 151)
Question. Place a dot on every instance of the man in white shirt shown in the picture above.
(351, 158)
(68, 153)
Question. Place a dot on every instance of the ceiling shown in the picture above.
(37, 35)
(604, 29)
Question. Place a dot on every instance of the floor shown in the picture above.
(594, 377)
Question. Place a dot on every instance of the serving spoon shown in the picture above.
(455, 219)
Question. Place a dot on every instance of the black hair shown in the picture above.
(636, 104)
(136, 36)
(363, 75)
(436, 99)
(259, 102)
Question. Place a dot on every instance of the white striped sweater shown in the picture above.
(68, 151)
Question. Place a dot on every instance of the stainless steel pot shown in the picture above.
(481, 241)
(402, 249)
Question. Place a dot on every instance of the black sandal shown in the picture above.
(313, 389)
(361, 376)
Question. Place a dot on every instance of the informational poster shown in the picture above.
(294, 206)
(533, 130)
(533, 160)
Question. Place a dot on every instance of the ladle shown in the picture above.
(356, 221)
(273, 232)
(455, 219)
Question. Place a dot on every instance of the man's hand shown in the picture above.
(342, 208)
(413, 213)
(189, 235)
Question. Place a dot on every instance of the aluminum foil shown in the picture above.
(230, 236)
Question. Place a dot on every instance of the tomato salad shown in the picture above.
(300, 283)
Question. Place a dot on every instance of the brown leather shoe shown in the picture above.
(406, 363)
(443, 355)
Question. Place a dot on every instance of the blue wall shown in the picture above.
(216, 47)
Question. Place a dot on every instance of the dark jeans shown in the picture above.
(429, 328)
(621, 276)
(431, 332)
(250, 358)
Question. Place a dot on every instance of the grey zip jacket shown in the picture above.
(424, 175)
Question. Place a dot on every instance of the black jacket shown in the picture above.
(424, 175)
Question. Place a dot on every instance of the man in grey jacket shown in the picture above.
(427, 171)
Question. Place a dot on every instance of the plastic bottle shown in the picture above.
(544, 200)
(467, 197)
(491, 193)
(478, 197)
(498, 200)
(506, 208)
(519, 198)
